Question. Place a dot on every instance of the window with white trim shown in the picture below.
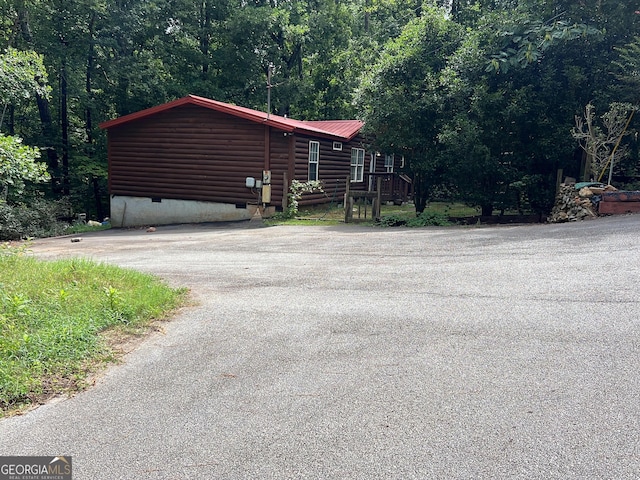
(314, 157)
(357, 164)
(337, 146)
(388, 163)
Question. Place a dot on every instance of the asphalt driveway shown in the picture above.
(357, 353)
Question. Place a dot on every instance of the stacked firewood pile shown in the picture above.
(573, 204)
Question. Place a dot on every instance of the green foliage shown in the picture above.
(52, 315)
(40, 218)
(393, 220)
(296, 190)
(508, 75)
(425, 219)
(533, 193)
(627, 70)
(18, 165)
(470, 118)
(429, 219)
(526, 43)
(22, 75)
(80, 227)
(403, 98)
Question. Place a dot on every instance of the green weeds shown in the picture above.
(425, 219)
(436, 214)
(53, 316)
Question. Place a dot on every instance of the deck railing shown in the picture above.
(383, 187)
(397, 188)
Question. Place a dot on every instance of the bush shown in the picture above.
(296, 190)
(393, 220)
(39, 219)
(429, 219)
(425, 219)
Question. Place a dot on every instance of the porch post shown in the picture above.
(348, 203)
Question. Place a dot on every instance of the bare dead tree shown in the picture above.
(601, 140)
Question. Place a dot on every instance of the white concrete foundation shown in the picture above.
(139, 211)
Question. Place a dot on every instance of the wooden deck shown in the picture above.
(397, 188)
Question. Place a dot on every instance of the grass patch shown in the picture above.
(425, 219)
(54, 316)
(452, 209)
(327, 214)
(84, 228)
(436, 213)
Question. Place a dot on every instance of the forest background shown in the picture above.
(486, 100)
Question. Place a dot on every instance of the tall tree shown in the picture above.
(626, 68)
(22, 76)
(403, 99)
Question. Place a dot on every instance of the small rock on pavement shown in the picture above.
(151, 229)
(76, 240)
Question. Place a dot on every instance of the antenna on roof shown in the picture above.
(269, 72)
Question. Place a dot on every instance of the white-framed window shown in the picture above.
(388, 163)
(357, 164)
(337, 146)
(314, 157)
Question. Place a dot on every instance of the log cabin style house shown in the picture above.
(199, 160)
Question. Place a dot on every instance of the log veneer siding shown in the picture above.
(189, 152)
(192, 153)
(333, 168)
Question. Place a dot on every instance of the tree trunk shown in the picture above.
(88, 127)
(456, 9)
(367, 15)
(23, 22)
(421, 192)
(44, 109)
(98, 200)
(89, 148)
(122, 96)
(64, 124)
(11, 120)
(588, 168)
(205, 36)
(48, 132)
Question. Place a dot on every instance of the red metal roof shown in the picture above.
(340, 129)
(344, 128)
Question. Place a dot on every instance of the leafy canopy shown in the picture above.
(18, 165)
(22, 75)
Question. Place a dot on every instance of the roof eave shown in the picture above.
(329, 136)
(247, 114)
(145, 113)
(201, 102)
